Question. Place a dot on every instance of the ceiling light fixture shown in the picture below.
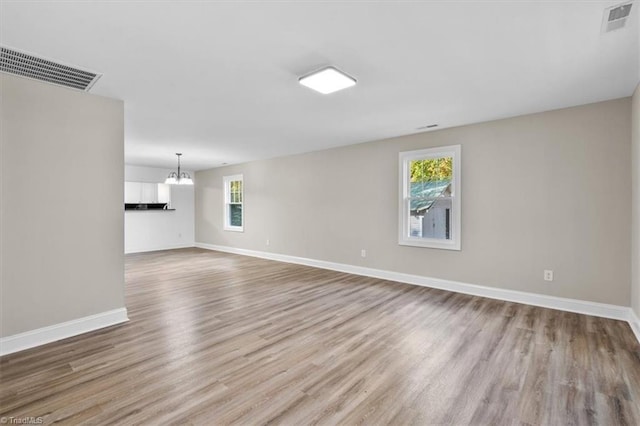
(180, 178)
(327, 80)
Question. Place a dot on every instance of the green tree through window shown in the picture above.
(433, 169)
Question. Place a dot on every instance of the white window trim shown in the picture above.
(456, 229)
(227, 197)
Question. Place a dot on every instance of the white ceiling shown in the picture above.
(218, 80)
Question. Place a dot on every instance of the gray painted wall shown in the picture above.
(62, 205)
(635, 227)
(543, 191)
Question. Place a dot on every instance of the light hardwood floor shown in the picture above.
(217, 338)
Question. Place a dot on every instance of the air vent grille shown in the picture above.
(428, 126)
(619, 12)
(615, 17)
(26, 65)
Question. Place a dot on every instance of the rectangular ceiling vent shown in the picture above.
(26, 65)
(615, 17)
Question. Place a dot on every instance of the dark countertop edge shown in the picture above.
(150, 210)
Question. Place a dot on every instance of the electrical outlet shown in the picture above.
(548, 275)
(363, 253)
(268, 242)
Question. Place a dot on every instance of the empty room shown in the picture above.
(320, 212)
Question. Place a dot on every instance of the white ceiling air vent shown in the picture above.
(615, 17)
(26, 65)
(428, 126)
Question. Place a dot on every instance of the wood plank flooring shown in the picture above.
(220, 339)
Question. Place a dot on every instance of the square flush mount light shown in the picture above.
(327, 80)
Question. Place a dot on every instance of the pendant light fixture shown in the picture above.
(180, 178)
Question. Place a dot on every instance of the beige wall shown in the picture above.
(542, 191)
(635, 215)
(62, 205)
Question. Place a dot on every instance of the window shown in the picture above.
(430, 198)
(233, 199)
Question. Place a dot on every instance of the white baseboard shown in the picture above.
(52, 333)
(634, 322)
(148, 249)
(564, 304)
